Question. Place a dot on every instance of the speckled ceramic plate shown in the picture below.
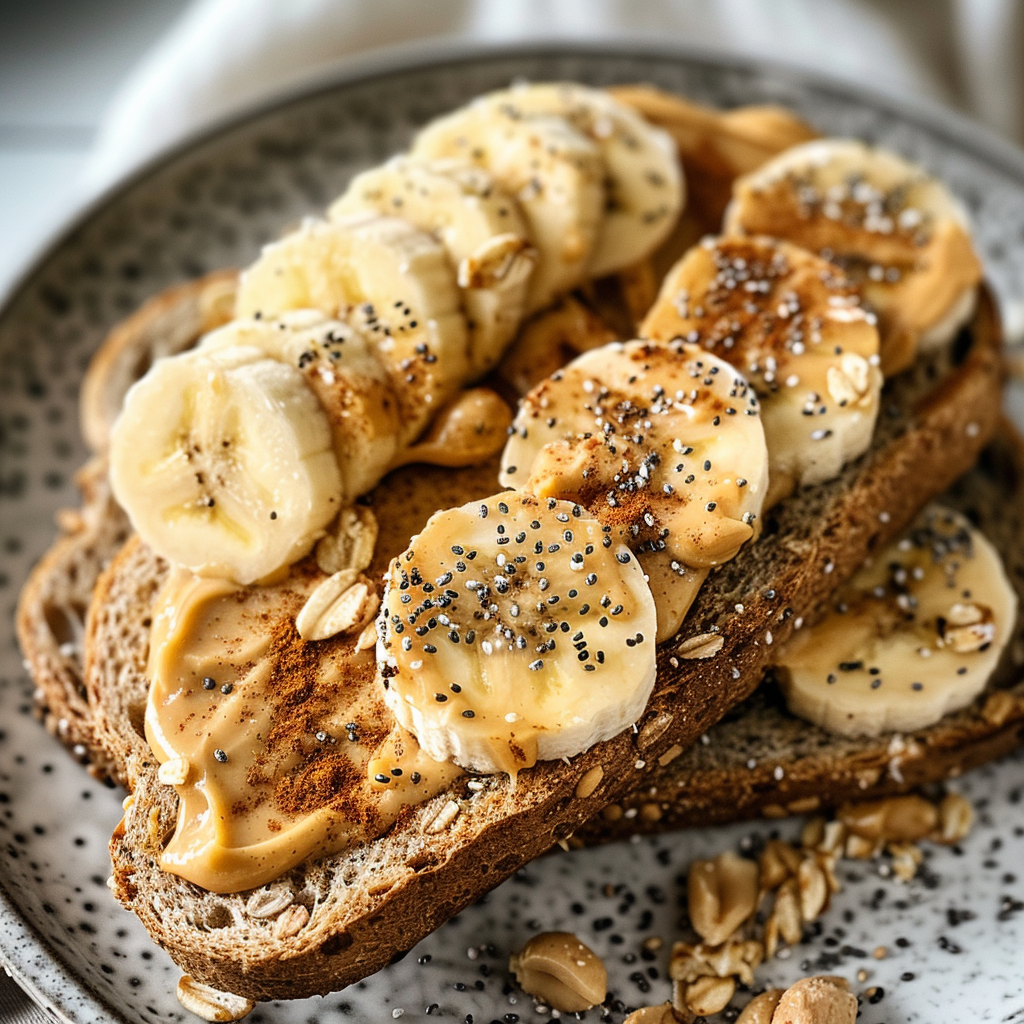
(955, 938)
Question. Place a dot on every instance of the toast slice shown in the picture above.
(371, 902)
(762, 761)
(943, 407)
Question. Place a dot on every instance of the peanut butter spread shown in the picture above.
(912, 269)
(284, 748)
(470, 430)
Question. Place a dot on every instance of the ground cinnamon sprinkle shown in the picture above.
(327, 779)
(303, 766)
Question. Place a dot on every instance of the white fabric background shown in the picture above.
(226, 55)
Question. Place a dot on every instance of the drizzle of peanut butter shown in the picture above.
(470, 430)
(290, 750)
(913, 275)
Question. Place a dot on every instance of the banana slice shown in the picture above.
(913, 636)
(391, 281)
(664, 443)
(341, 367)
(224, 462)
(897, 231)
(554, 171)
(480, 225)
(513, 630)
(793, 325)
(644, 179)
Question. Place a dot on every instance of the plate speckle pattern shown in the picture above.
(955, 935)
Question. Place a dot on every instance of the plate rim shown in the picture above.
(421, 55)
(948, 125)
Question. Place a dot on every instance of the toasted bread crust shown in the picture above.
(51, 617)
(116, 651)
(682, 796)
(420, 878)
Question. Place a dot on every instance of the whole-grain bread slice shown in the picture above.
(916, 402)
(375, 900)
(762, 761)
